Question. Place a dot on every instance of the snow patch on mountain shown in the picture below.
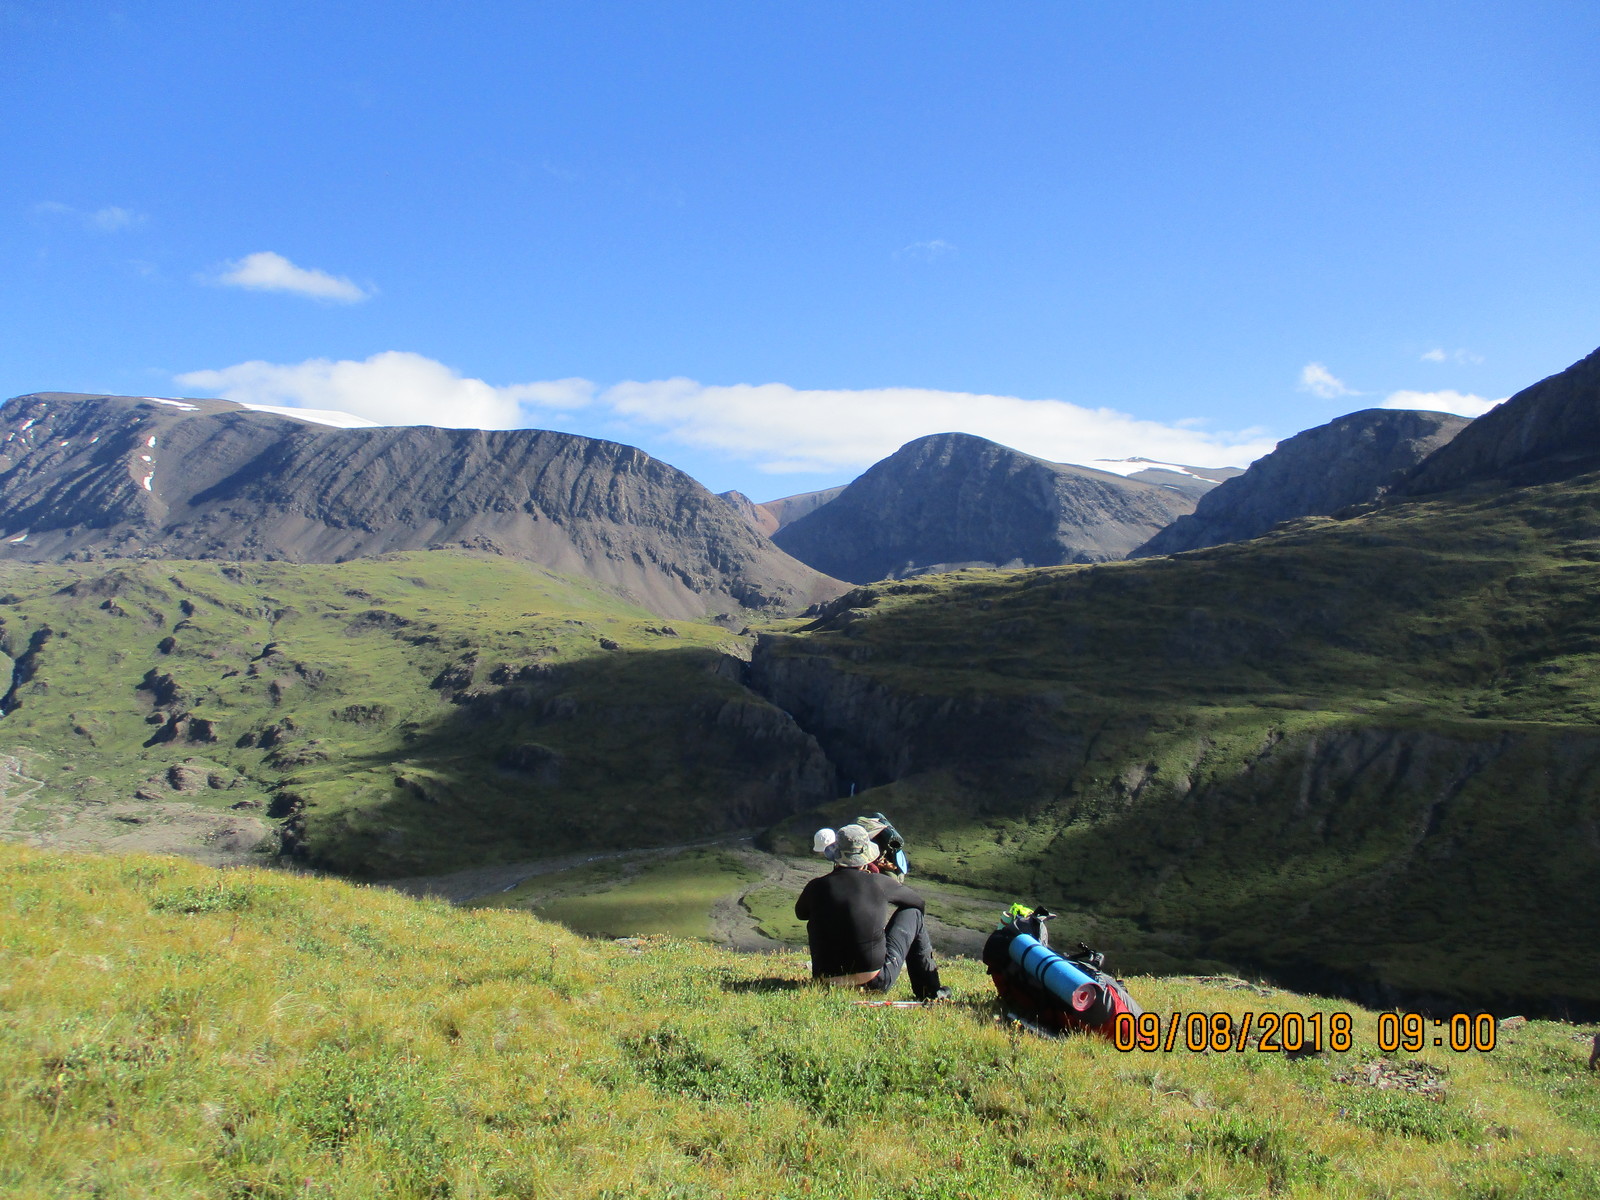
(1132, 466)
(316, 416)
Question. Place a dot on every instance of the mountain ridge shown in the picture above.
(1352, 459)
(85, 476)
(1548, 430)
(953, 499)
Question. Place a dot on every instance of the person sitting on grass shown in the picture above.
(855, 941)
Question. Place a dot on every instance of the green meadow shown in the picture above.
(170, 1030)
(671, 895)
(389, 717)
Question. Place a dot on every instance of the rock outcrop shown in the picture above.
(952, 500)
(118, 476)
(1352, 460)
(1544, 433)
(786, 510)
(757, 515)
(772, 515)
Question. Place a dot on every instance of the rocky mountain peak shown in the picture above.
(1350, 460)
(1545, 432)
(955, 499)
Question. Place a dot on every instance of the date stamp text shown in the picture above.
(1296, 1032)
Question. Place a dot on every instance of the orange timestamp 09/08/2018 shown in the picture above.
(1297, 1032)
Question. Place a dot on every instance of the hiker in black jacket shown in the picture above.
(854, 939)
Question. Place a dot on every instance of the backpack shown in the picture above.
(1050, 992)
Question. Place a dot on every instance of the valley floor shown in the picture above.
(748, 915)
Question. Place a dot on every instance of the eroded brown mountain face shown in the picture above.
(118, 476)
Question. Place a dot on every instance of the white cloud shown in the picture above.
(1463, 356)
(781, 429)
(110, 219)
(777, 428)
(392, 388)
(268, 272)
(926, 251)
(1319, 381)
(1447, 402)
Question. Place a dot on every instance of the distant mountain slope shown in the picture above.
(769, 516)
(1348, 461)
(1548, 431)
(1195, 481)
(84, 476)
(786, 510)
(953, 499)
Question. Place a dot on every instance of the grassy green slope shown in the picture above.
(1359, 752)
(405, 714)
(170, 1031)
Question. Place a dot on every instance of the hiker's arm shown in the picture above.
(802, 904)
(900, 896)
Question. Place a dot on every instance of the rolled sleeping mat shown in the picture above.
(1043, 965)
(1080, 993)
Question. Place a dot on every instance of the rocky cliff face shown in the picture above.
(756, 515)
(1352, 460)
(772, 515)
(1549, 431)
(84, 476)
(786, 510)
(952, 500)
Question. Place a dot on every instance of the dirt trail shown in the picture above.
(732, 924)
(11, 802)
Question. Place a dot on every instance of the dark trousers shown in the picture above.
(906, 945)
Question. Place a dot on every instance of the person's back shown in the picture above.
(854, 939)
(846, 912)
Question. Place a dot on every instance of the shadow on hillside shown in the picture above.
(630, 749)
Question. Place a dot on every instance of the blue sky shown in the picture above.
(769, 242)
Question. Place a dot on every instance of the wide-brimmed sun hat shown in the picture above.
(855, 847)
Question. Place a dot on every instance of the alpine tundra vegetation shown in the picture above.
(169, 1030)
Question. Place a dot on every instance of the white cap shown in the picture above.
(823, 840)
